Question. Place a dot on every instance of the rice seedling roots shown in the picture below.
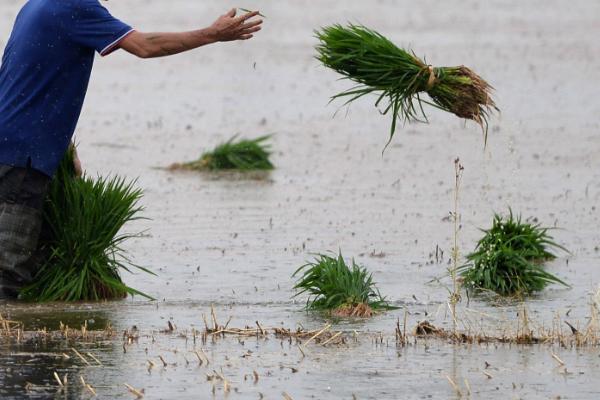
(360, 310)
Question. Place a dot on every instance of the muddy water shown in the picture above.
(234, 243)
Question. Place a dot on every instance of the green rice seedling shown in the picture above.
(241, 155)
(508, 259)
(399, 78)
(82, 242)
(334, 286)
(249, 11)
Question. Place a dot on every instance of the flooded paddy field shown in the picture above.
(233, 242)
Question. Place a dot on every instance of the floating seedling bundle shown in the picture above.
(400, 78)
(342, 290)
(241, 155)
(508, 259)
(81, 242)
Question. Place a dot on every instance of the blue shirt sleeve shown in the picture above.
(94, 27)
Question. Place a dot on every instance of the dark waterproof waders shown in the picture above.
(22, 194)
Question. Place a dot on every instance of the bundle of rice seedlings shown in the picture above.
(508, 259)
(342, 290)
(241, 155)
(82, 242)
(400, 78)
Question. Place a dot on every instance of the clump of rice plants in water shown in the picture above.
(81, 242)
(508, 259)
(400, 78)
(343, 290)
(241, 155)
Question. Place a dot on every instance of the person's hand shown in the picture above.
(76, 162)
(229, 27)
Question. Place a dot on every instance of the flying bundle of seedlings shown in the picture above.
(81, 242)
(241, 155)
(400, 78)
(334, 286)
(508, 259)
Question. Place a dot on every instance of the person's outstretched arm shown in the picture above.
(227, 28)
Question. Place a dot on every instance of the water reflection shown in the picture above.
(28, 365)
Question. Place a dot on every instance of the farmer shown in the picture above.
(43, 81)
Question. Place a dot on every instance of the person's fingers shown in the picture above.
(77, 166)
(251, 30)
(251, 14)
(247, 16)
(246, 37)
(231, 13)
(252, 24)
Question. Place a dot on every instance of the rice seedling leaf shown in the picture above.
(249, 11)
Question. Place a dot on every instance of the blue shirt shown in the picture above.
(44, 77)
